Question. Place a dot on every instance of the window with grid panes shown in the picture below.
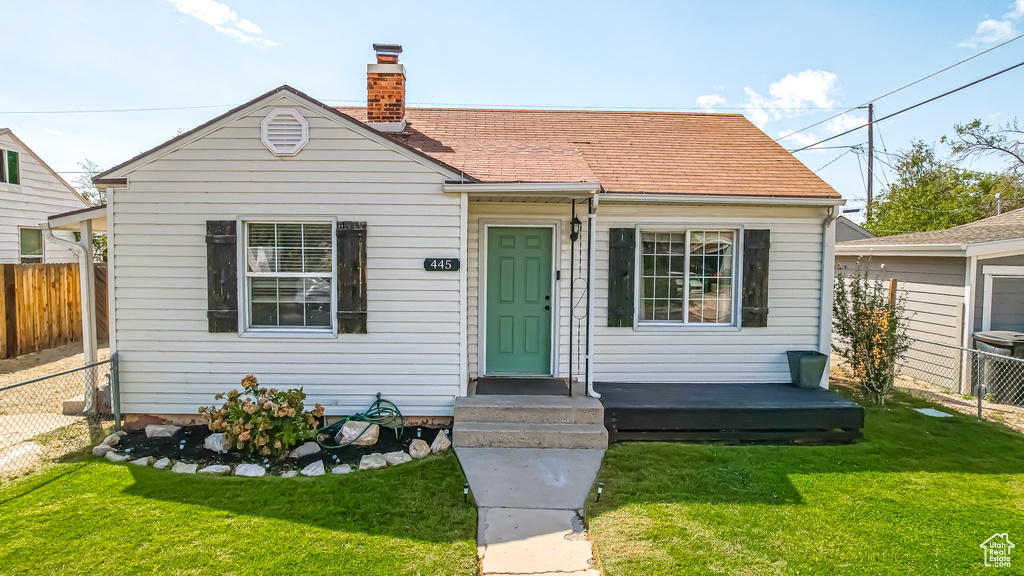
(289, 274)
(686, 276)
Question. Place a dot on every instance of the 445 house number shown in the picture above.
(441, 264)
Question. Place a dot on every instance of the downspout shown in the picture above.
(827, 271)
(591, 235)
(87, 283)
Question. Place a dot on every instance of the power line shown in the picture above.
(116, 110)
(833, 160)
(453, 105)
(908, 108)
(900, 88)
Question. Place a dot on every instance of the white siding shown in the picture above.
(38, 196)
(171, 364)
(712, 354)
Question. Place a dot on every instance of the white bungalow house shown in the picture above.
(413, 252)
(30, 191)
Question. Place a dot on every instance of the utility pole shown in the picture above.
(871, 156)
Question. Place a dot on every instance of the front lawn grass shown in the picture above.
(917, 496)
(93, 517)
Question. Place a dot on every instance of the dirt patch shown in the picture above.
(188, 445)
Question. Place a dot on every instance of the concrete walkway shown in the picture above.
(530, 505)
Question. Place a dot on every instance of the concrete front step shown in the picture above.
(532, 409)
(469, 434)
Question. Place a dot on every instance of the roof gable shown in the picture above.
(61, 181)
(117, 175)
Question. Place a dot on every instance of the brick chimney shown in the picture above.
(385, 90)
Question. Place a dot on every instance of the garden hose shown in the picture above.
(382, 412)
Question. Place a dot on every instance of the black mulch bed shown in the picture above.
(137, 445)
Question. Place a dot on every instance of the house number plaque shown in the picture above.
(441, 264)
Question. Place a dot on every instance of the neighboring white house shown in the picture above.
(958, 281)
(408, 251)
(30, 192)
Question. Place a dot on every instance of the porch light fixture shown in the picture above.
(577, 227)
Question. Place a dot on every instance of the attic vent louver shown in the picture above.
(284, 131)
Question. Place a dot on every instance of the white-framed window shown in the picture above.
(10, 167)
(687, 276)
(30, 245)
(290, 275)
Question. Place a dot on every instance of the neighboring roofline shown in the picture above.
(674, 198)
(104, 178)
(64, 219)
(966, 249)
(45, 165)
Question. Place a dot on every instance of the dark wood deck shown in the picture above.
(530, 386)
(728, 413)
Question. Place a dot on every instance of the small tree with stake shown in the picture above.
(870, 320)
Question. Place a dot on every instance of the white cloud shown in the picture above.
(53, 132)
(798, 140)
(249, 26)
(990, 31)
(845, 122)
(793, 95)
(224, 20)
(708, 102)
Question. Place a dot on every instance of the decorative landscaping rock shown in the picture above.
(396, 458)
(419, 449)
(289, 474)
(343, 469)
(115, 457)
(113, 440)
(371, 461)
(144, 461)
(441, 443)
(102, 450)
(161, 430)
(216, 469)
(314, 469)
(358, 433)
(216, 442)
(162, 463)
(183, 468)
(306, 449)
(250, 470)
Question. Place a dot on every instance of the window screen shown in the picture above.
(289, 274)
(686, 276)
(31, 246)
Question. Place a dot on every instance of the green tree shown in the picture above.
(85, 186)
(929, 193)
(975, 139)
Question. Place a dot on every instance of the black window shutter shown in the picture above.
(352, 277)
(222, 275)
(621, 261)
(756, 248)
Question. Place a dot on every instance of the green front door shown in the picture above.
(518, 301)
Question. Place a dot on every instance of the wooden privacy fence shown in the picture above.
(41, 305)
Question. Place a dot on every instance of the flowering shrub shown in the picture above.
(262, 421)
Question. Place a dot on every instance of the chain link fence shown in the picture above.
(990, 386)
(48, 418)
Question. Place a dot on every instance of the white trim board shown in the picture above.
(990, 273)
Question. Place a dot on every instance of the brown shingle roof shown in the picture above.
(1007, 226)
(627, 152)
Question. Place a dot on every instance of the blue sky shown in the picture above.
(777, 62)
